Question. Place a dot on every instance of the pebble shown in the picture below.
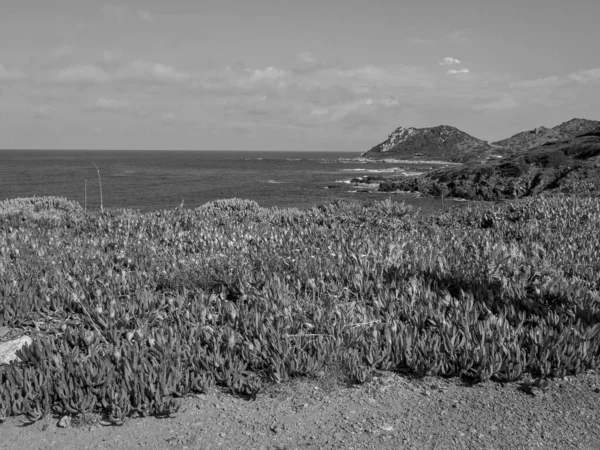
(64, 422)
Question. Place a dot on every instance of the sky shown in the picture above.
(319, 75)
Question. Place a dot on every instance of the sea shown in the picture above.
(157, 180)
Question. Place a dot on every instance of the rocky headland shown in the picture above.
(442, 142)
(565, 158)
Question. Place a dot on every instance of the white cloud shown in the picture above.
(61, 51)
(111, 56)
(555, 81)
(10, 74)
(40, 112)
(146, 70)
(421, 41)
(167, 116)
(146, 16)
(114, 10)
(83, 73)
(137, 70)
(448, 61)
(307, 57)
(504, 103)
(110, 104)
(457, 37)
(585, 76)
(453, 71)
(270, 73)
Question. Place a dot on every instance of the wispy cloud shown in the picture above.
(448, 61)
(457, 37)
(167, 116)
(110, 104)
(146, 16)
(7, 74)
(554, 81)
(140, 69)
(454, 71)
(504, 102)
(82, 73)
(114, 10)
(307, 57)
(41, 112)
(117, 106)
(136, 70)
(121, 12)
(421, 41)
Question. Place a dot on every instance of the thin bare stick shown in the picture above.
(99, 181)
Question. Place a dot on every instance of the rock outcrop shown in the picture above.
(8, 349)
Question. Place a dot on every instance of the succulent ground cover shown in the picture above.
(130, 312)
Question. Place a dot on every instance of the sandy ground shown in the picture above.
(391, 412)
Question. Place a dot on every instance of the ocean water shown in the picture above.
(154, 180)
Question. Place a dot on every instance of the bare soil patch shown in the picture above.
(391, 412)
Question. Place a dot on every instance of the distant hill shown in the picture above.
(575, 127)
(443, 142)
(446, 143)
(571, 166)
(527, 140)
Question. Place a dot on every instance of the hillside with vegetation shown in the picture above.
(446, 143)
(568, 166)
(440, 143)
(527, 140)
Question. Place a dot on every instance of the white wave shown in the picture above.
(275, 182)
(388, 170)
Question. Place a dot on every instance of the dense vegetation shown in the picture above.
(130, 312)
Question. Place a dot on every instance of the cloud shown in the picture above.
(501, 104)
(61, 51)
(167, 116)
(585, 76)
(7, 74)
(114, 10)
(555, 81)
(110, 104)
(137, 70)
(307, 57)
(82, 73)
(552, 81)
(458, 37)
(453, 71)
(145, 70)
(421, 41)
(111, 56)
(448, 61)
(118, 106)
(40, 112)
(146, 16)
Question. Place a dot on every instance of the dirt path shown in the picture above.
(392, 412)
